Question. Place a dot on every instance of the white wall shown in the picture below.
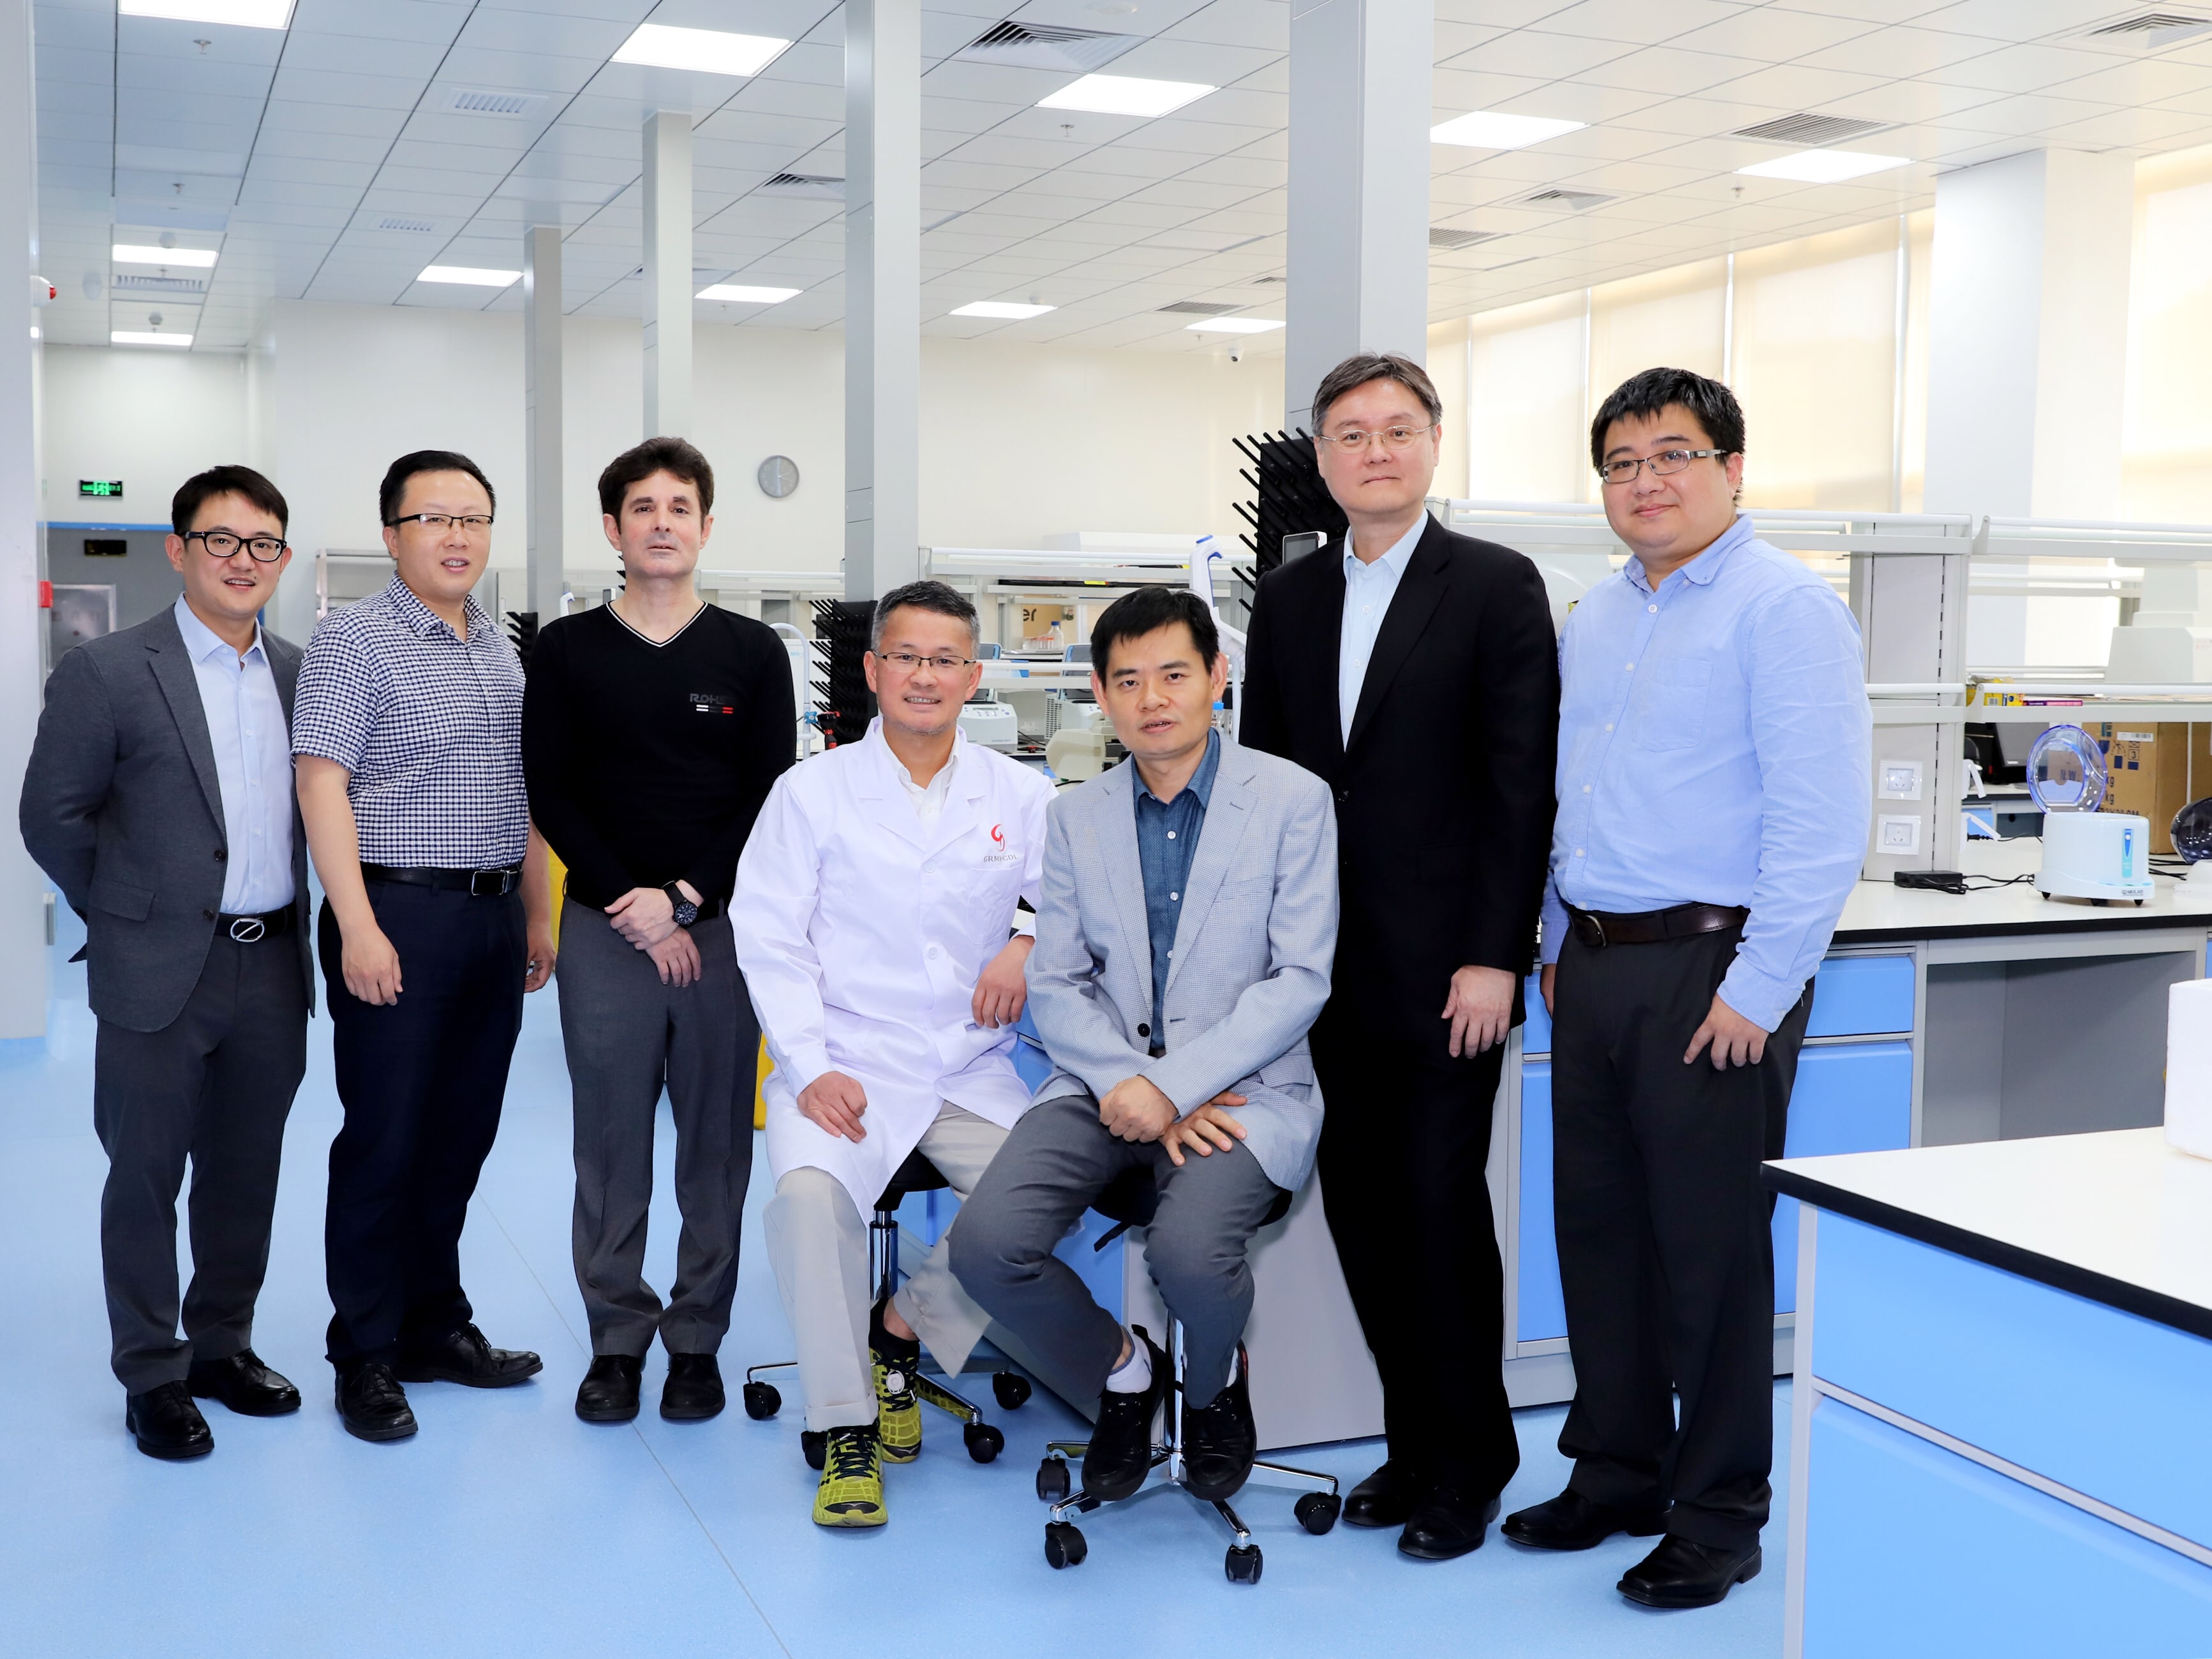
(148, 416)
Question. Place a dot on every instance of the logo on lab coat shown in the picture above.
(999, 853)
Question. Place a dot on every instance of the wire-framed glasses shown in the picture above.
(1665, 462)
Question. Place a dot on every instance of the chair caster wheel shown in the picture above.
(815, 1446)
(1052, 1485)
(763, 1401)
(1317, 1511)
(985, 1442)
(1063, 1545)
(1011, 1392)
(1243, 1564)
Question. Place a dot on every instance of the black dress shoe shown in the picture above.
(608, 1393)
(1681, 1574)
(465, 1357)
(371, 1403)
(1385, 1498)
(1446, 1522)
(1120, 1455)
(1572, 1520)
(243, 1384)
(1220, 1440)
(693, 1392)
(167, 1424)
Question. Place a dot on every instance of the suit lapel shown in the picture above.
(1332, 650)
(1420, 592)
(173, 672)
(1227, 815)
(1113, 832)
(284, 665)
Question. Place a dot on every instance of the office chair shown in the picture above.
(1129, 1201)
(984, 1441)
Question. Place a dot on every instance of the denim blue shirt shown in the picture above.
(1167, 840)
(1715, 744)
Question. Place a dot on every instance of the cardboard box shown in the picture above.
(2155, 771)
(1046, 628)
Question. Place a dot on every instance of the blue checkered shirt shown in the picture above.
(428, 725)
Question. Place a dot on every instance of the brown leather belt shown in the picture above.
(1597, 929)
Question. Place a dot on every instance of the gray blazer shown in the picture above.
(121, 809)
(1252, 951)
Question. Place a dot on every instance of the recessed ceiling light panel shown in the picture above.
(132, 253)
(1005, 310)
(1491, 130)
(140, 337)
(1124, 95)
(1824, 167)
(715, 52)
(1235, 325)
(740, 294)
(473, 277)
(242, 14)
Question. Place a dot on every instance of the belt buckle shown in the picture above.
(248, 930)
(1594, 935)
(477, 878)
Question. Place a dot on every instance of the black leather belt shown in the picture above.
(477, 883)
(1597, 929)
(253, 929)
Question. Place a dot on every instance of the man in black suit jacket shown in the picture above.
(158, 799)
(1415, 670)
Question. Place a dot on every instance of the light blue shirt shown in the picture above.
(1368, 589)
(252, 765)
(1714, 742)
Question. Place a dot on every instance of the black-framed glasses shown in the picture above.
(907, 662)
(225, 544)
(474, 524)
(1665, 462)
(1393, 438)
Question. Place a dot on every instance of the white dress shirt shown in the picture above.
(1368, 587)
(252, 765)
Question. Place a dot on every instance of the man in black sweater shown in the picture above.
(651, 731)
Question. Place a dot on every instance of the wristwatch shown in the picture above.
(686, 911)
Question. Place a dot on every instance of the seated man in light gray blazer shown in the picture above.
(1187, 922)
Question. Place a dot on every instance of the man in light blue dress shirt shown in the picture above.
(1714, 745)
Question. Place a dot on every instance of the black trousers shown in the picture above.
(422, 1082)
(1665, 1252)
(1403, 1147)
(214, 1085)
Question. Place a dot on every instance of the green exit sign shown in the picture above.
(104, 489)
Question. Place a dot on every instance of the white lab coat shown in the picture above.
(862, 931)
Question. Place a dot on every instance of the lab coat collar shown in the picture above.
(878, 780)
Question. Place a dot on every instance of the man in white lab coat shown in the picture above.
(874, 902)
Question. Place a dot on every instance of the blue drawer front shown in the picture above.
(1852, 1098)
(1536, 1035)
(2095, 1399)
(1911, 1550)
(1862, 997)
(1542, 1311)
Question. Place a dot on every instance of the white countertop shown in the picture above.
(2126, 1219)
(1883, 907)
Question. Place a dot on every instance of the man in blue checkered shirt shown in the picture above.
(407, 737)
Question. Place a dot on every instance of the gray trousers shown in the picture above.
(819, 1244)
(627, 1036)
(214, 1086)
(1058, 1159)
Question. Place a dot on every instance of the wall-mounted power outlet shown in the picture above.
(1897, 835)
(1900, 780)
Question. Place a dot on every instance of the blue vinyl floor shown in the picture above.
(507, 1527)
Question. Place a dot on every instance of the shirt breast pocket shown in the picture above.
(1672, 713)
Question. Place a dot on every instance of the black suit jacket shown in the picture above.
(1444, 793)
(121, 806)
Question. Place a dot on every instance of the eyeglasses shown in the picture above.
(1665, 462)
(476, 524)
(906, 661)
(225, 544)
(1393, 438)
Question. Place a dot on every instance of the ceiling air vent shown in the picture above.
(130, 282)
(2151, 31)
(812, 186)
(1200, 308)
(1044, 46)
(1810, 129)
(1261, 281)
(483, 101)
(413, 227)
(1452, 241)
(1574, 200)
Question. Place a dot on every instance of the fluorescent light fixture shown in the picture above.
(713, 52)
(1123, 94)
(1004, 309)
(738, 294)
(1490, 129)
(1824, 167)
(1234, 325)
(133, 253)
(475, 276)
(139, 337)
(244, 14)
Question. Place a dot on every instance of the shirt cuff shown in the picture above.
(1759, 998)
(1026, 925)
(803, 1069)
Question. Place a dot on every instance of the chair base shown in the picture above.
(1065, 1545)
(984, 1441)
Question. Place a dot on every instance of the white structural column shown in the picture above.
(1360, 108)
(541, 414)
(23, 888)
(2027, 351)
(668, 288)
(883, 295)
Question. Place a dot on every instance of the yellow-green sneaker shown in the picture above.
(898, 1412)
(852, 1490)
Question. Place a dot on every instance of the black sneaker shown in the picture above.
(1120, 1454)
(1220, 1440)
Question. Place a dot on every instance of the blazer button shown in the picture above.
(1144, 1030)
(1342, 796)
(209, 914)
(220, 855)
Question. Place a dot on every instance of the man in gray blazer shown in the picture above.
(158, 799)
(1187, 921)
